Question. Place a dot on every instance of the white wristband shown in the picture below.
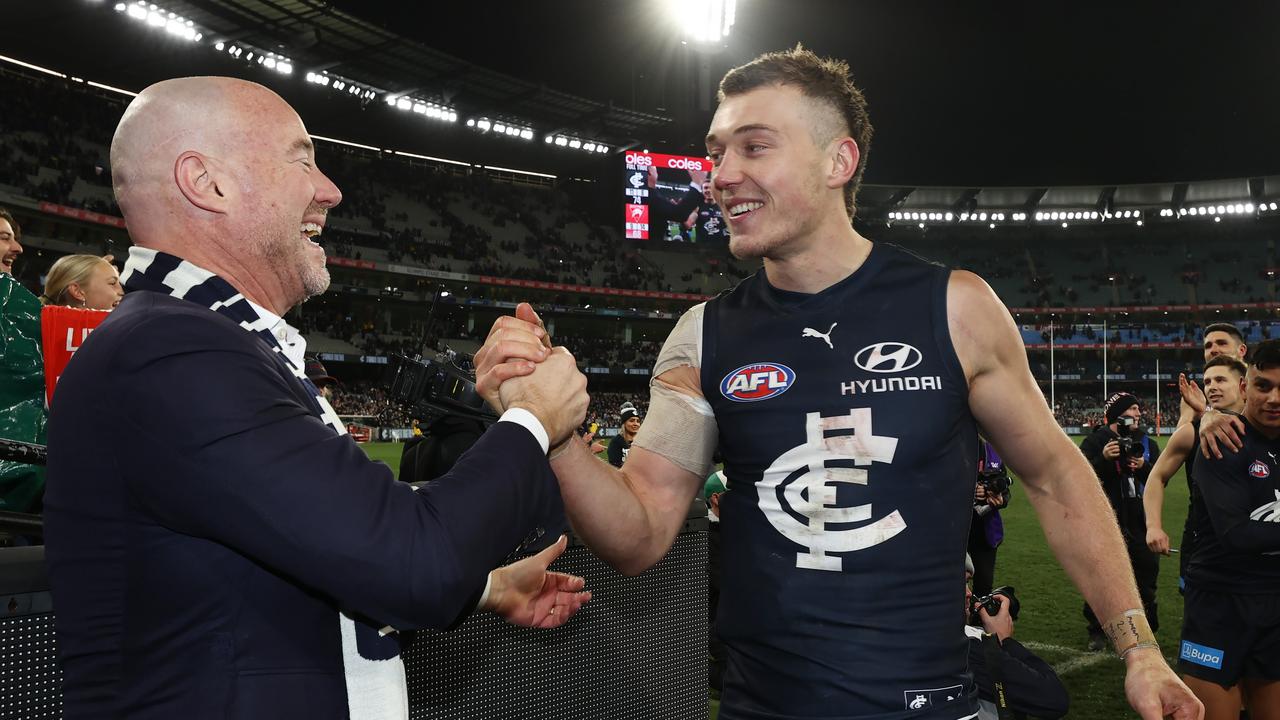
(530, 422)
(484, 597)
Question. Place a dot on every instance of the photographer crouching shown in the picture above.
(1122, 455)
(1012, 681)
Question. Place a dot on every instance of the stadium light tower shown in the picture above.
(704, 21)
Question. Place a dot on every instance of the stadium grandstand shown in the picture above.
(474, 179)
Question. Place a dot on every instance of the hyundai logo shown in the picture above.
(888, 357)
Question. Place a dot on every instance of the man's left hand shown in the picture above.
(1136, 463)
(525, 593)
(1000, 624)
(1155, 691)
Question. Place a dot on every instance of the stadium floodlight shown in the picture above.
(1064, 224)
(219, 45)
(548, 139)
(1248, 207)
(1139, 223)
(484, 125)
(1217, 219)
(1222, 210)
(527, 134)
(982, 217)
(1272, 206)
(401, 104)
(561, 140)
(120, 7)
(948, 217)
(705, 21)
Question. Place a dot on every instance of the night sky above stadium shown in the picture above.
(961, 93)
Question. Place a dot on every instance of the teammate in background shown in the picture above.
(1231, 628)
(1224, 389)
(844, 384)
(1219, 339)
(620, 445)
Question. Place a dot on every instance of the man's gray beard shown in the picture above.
(317, 284)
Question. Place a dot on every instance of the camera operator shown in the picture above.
(1027, 685)
(1122, 456)
(986, 529)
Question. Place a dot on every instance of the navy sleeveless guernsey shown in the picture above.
(851, 457)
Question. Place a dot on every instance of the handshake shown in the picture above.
(518, 368)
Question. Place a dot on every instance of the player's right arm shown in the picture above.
(1175, 453)
(628, 516)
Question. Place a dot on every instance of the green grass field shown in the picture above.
(1050, 623)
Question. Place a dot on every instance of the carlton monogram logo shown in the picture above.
(798, 491)
(1270, 512)
(888, 357)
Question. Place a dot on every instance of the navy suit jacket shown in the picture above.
(203, 526)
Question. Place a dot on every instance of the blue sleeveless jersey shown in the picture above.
(851, 457)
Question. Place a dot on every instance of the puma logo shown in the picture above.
(826, 336)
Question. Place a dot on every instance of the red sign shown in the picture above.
(638, 160)
(348, 262)
(539, 285)
(79, 214)
(63, 330)
(637, 222)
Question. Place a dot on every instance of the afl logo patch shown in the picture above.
(1259, 470)
(758, 381)
(888, 357)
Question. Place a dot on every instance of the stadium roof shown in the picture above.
(964, 95)
(320, 37)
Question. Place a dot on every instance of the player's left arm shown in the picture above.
(1076, 517)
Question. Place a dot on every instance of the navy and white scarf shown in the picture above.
(376, 687)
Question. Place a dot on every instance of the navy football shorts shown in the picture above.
(1228, 636)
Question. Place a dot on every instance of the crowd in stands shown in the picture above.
(605, 407)
(55, 142)
(51, 139)
(368, 401)
(1079, 408)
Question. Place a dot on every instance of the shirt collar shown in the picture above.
(292, 344)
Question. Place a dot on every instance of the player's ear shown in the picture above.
(844, 162)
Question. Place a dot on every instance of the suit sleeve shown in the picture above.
(232, 455)
(1224, 485)
(1031, 686)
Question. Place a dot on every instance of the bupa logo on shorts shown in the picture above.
(758, 381)
(888, 357)
(1259, 469)
(1201, 655)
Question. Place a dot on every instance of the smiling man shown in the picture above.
(221, 548)
(849, 457)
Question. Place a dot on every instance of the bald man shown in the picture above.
(217, 547)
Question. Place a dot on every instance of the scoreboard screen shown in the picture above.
(669, 198)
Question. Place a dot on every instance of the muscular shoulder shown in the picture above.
(680, 360)
(982, 331)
